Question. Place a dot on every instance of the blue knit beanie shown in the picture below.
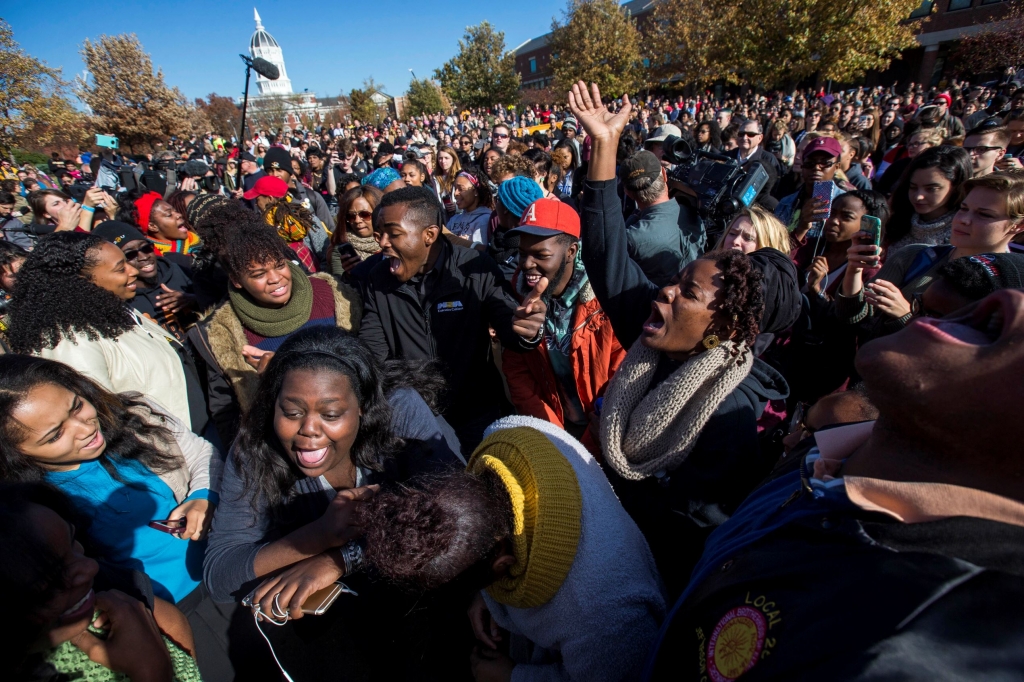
(382, 177)
(518, 193)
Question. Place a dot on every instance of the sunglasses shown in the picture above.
(500, 136)
(823, 165)
(362, 215)
(747, 133)
(132, 254)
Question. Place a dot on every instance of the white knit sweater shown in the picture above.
(601, 623)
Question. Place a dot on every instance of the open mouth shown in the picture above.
(532, 279)
(95, 441)
(309, 459)
(655, 322)
(981, 327)
(148, 268)
(131, 286)
(394, 264)
(83, 607)
(279, 291)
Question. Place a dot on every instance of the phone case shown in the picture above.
(321, 600)
(823, 190)
(872, 225)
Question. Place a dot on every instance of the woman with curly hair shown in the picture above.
(534, 531)
(269, 299)
(71, 304)
(678, 424)
(142, 480)
(326, 421)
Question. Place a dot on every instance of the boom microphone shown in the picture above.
(265, 69)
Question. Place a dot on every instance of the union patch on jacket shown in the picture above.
(449, 306)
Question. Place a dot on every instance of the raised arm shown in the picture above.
(621, 286)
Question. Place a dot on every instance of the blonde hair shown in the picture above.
(932, 136)
(769, 230)
(446, 179)
(1008, 183)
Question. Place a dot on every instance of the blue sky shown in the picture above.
(329, 51)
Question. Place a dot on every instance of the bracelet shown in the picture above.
(353, 556)
(90, 209)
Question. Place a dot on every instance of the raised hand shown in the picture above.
(529, 317)
(594, 116)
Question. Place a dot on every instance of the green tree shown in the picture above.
(362, 106)
(598, 42)
(424, 97)
(992, 49)
(686, 42)
(483, 73)
(127, 97)
(35, 109)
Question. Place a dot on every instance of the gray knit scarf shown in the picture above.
(645, 431)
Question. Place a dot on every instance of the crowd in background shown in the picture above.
(301, 404)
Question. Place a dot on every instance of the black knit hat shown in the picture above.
(118, 233)
(277, 158)
(201, 206)
(1003, 270)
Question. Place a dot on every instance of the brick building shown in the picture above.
(947, 21)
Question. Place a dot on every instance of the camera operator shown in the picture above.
(198, 177)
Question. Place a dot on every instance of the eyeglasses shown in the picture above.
(823, 165)
(747, 133)
(132, 254)
(979, 150)
(917, 308)
(362, 215)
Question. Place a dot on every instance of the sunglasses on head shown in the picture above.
(362, 215)
(132, 254)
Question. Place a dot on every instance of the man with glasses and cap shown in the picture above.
(819, 163)
(954, 126)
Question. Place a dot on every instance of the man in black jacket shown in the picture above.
(431, 300)
(891, 549)
(749, 151)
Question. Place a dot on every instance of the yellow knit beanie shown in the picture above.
(546, 505)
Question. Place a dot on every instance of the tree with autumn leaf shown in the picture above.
(362, 106)
(35, 109)
(483, 73)
(222, 112)
(994, 48)
(775, 42)
(128, 98)
(598, 42)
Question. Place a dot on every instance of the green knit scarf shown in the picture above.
(273, 322)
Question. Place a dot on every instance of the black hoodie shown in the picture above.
(145, 298)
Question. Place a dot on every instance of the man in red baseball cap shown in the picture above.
(266, 190)
(561, 379)
(953, 125)
(819, 163)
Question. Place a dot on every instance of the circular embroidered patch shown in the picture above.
(736, 643)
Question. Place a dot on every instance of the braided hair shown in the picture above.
(53, 298)
(743, 299)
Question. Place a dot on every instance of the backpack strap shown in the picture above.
(924, 261)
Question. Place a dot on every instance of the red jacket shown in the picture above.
(595, 354)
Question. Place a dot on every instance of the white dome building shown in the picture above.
(262, 44)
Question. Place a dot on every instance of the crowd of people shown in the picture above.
(498, 395)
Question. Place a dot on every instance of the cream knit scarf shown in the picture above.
(645, 431)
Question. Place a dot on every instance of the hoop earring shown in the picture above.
(711, 341)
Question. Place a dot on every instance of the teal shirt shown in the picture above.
(120, 512)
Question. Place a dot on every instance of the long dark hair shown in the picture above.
(129, 424)
(267, 472)
(954, 163)
(52, 298)
(37, 202)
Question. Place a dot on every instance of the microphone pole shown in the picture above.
(241, 132)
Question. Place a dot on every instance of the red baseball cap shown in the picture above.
(829, 145)
(548, 217)
(268, 186)
(944, 97)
